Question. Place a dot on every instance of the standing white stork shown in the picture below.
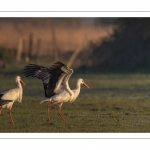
(7, 98)
(55, 82)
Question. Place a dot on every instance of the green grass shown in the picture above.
(116, 103)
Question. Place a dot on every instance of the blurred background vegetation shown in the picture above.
(86, 44)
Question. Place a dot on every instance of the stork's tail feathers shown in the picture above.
(45, 101)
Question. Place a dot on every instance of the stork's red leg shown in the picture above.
(10, 114)
(48, 110)
(0, 111)
(59, 113)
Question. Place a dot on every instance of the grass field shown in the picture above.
(116, 103)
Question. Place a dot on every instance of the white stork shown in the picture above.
(7, 98)
(55, 82)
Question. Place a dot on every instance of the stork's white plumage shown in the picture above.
(7, 98)
(55, 82)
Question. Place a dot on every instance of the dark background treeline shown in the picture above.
(127, 49)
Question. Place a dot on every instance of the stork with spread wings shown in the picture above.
(55, 83)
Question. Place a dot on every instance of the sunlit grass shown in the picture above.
(115, 103)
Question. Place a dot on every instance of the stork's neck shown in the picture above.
(20, 90)
(76, 91)
(19, 85)
(78, 85)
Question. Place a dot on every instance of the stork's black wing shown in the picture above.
(3, 102)
(50, 77)
(39, 72)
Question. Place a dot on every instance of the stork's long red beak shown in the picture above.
(22, 82)
(86, 85)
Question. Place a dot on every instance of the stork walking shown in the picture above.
(8, 98)
(55, 82)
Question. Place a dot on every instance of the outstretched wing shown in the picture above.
(58, 73)
(61, 73)
(64, 81)
(52, 78)
(39, 72)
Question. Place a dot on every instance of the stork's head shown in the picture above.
(18, 79)
(83, 83)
